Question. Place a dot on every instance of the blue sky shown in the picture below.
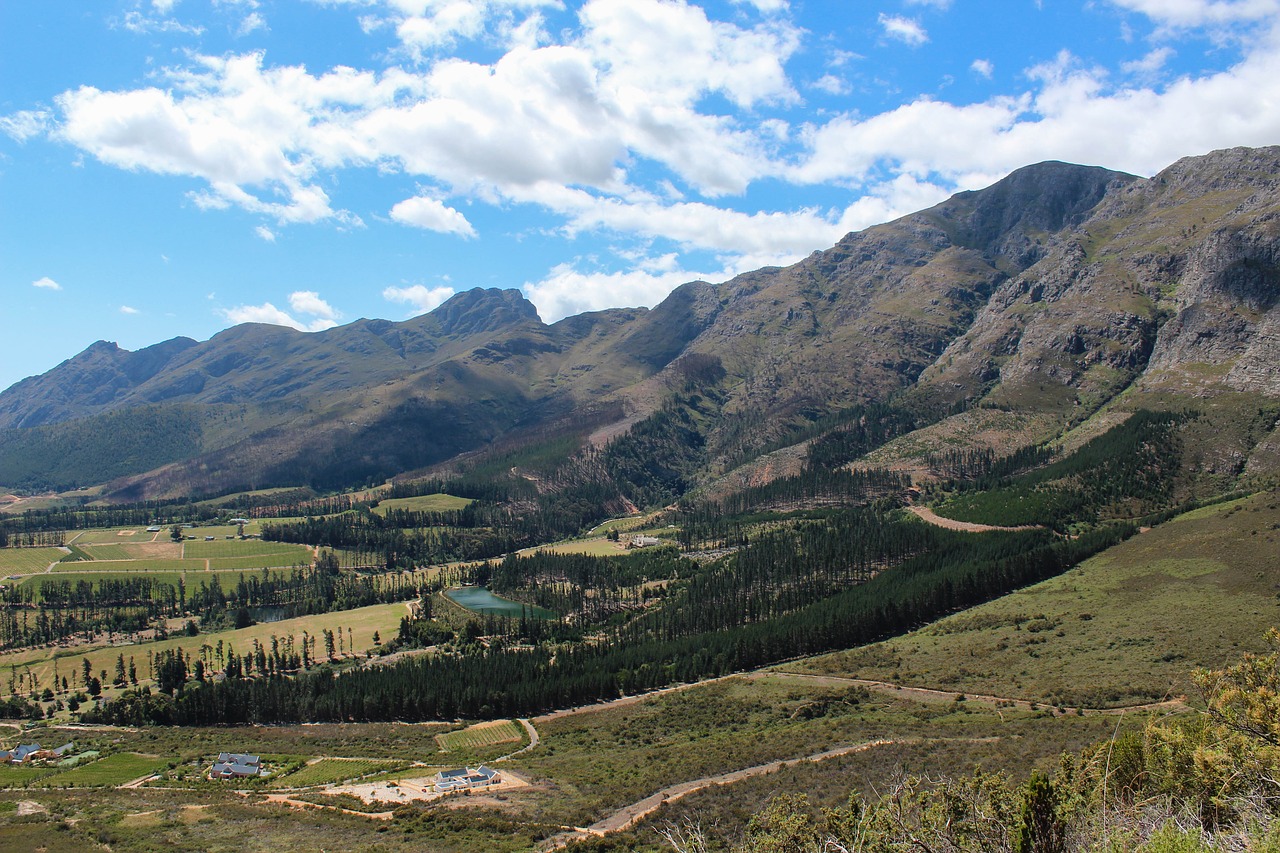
(173, 167)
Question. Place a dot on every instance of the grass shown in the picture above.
(364, 621)
(140, 551)
(1126, 626)
(115, 769)
(134, 566)
(598, 761)
(481, 735)
(117, 535)
(591, 547)
(24, 560)
(224, 548)
(325, 771)
(423, 503)
(262, 561)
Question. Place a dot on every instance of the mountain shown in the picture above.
(1045, 305)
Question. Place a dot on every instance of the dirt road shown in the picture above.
(628, 816)
(966, 526)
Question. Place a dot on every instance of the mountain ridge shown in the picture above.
(1056, 291)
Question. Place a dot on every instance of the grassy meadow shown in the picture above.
(423, 503)
(1127, 626)
(21, 561)
(363, 622)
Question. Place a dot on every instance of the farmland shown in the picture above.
(422, 503)
(115, 769)
(26, 560)
(481, 735)
(326, 771)
(362, 622)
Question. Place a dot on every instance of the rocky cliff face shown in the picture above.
(1049, 293)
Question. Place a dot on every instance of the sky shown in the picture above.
(175, 167)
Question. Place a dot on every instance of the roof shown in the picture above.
(238, 758)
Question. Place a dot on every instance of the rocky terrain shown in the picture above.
(1059, 293)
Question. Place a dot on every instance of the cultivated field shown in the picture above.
(363, 622)
(481, 735)
(115, 769)
(18, 561)
(326, 771)
(224, 548)
(423, 503)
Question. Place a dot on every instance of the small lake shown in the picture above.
(479, 600)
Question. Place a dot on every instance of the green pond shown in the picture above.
(479, 600)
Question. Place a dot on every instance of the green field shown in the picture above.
(129, 566)
(117, 535)
(1127, 626)
(263, 561)
(224, 548)
(107, 772)
(74, 578)
(136, 551)
(364, 621)
(423, 503)
(326, 771)
(591, 547)
(14, 561)
(481, 735)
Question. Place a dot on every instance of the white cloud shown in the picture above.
(136, 22)
(832, 85)
(251, 23)
(25, 124)
(983, 68)
(903, 29)
(46, 283)
(164, 7)
(1196, 13)
(127, 309)
(1150, 65)
(309, 302)
(265, 233)
(1072, 113)
(428, 213)
(421, 297)
(269, 313)
(566, 291)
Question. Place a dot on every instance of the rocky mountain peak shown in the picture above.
(484, 310)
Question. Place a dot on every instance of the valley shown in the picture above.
(941, 514)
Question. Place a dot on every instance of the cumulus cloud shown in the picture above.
(309, 302)
(1072, 113)
(428, 213)
(46, 283)
(318, 314)
(1194, 13)
(419, 296)
(128, 309)
(566, 291)
(636, 123)
(903, 29)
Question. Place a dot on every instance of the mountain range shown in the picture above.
(1042, 308)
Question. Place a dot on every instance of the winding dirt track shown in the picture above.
(628, 816)
(965, 526)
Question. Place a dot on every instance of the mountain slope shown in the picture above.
(1058, 292)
